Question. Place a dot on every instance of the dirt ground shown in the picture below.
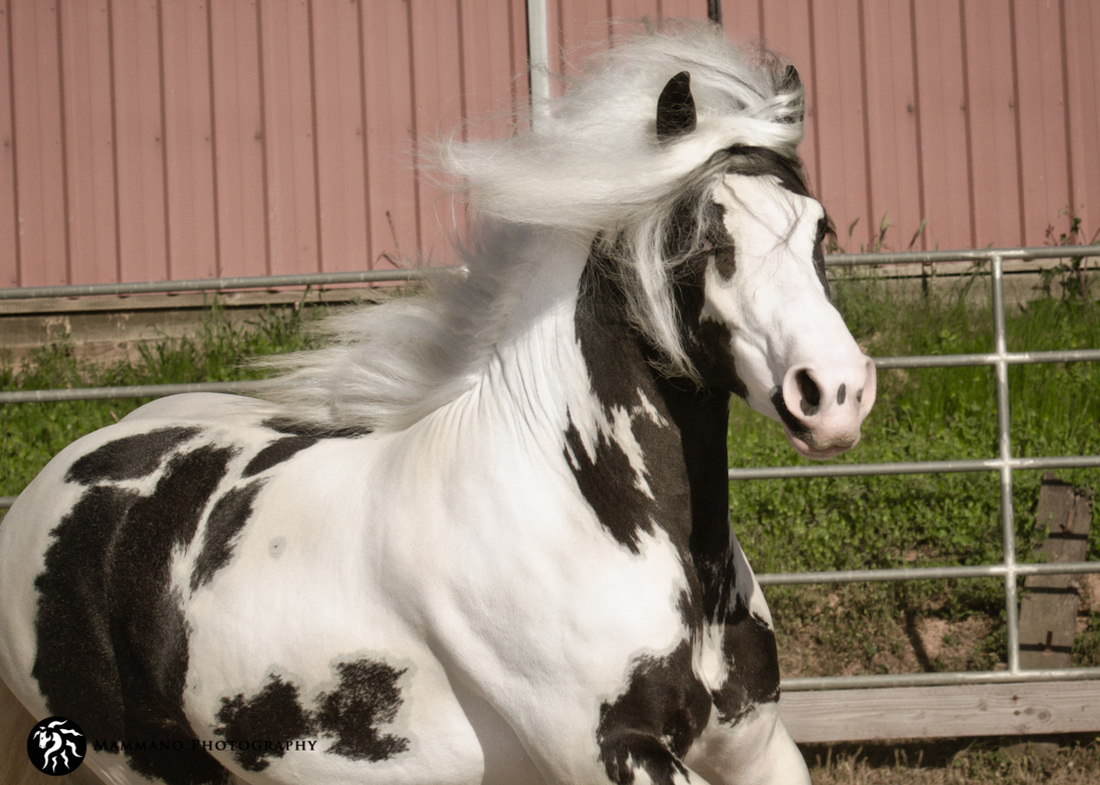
(909, 645)
(1066, 760)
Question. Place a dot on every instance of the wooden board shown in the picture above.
(942, 711)
(1048, 610)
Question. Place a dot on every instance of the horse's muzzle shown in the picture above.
(823, 406)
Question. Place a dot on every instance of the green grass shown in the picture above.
(32, 433)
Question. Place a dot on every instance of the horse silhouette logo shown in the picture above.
(56, 746)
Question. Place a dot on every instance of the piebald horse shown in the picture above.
(483, 536)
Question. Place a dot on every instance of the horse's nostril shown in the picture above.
(842, 394)
(809, 392)
(859, 396)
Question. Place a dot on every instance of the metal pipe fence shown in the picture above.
(1009, 569)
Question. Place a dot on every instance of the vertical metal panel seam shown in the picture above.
(1066, 119)
(922, 198)
(313, 131)
(462, 111)
(361, 47)
(866, 104)
(163, 139)
(561, 38)
(968, 119)
(1020, 189)
(14, 146)
(213, 137)
(114, 137)
(513, 90)
(415, 128)
(812, 120)
(265, 184)
(64, 152)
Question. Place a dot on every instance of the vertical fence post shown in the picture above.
(1004, 443)
(538, 59)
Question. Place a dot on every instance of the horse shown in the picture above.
(483, 534)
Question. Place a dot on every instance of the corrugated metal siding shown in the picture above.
(979, 117)
(151, 139)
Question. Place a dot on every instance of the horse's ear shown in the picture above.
(790, 85)
(790, 81)
(675, 108)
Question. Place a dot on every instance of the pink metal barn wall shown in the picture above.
(153, 139)
(171, 139)
(981, 117)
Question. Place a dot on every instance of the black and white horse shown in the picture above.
(483, 537)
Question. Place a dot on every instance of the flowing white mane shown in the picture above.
(592, 163)
(591, 169)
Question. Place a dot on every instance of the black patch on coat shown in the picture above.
(607, 483)
(277, 452)
(112, 641)
(148, 626)
(230, 514)
(128, 458)
(702, 419)
(294, 427)
(274, 713)
(707, 342)
(686, 459)
(749, 648)
(651, 726)
(621, 372)
(760, 161)
(725, 261)
(367, 697)
(714, 358)
(75, 661)
(748, 644)
(824, 229)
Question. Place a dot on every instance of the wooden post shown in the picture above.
(1048, 611)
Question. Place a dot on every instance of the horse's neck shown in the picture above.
(647, 452)
(678, 430)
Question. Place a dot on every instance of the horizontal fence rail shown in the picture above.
(216, 284)
(1009, 569)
